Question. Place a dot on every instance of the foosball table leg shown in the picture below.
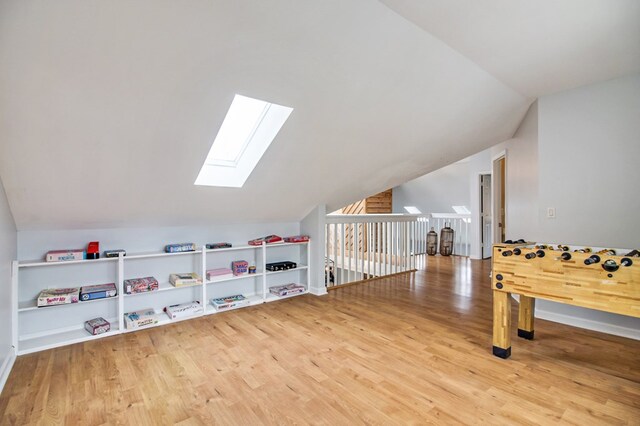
(501, 324)
(525, 317)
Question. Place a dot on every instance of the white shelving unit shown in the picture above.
(37, 329)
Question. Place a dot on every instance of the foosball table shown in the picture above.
(583, 277)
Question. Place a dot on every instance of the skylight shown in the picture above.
(246, 132)
(461, 209)
(412, 210)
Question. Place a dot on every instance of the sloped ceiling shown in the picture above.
(108, 109)
(536, 47)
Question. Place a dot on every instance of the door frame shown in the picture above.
(481, 221)
(496, 198)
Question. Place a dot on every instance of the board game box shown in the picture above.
(281, 266)
(218, 274)
(179, 248)
(58, 296)
(296, 239)
(114, 253)
(183, 310)
(240, 267)
(64, 255)
(223, 303)
(218, 245)
(185, 279)
(140, 285)
(98, 291)
(140, 318)
(287, 289)
(93, 250)
(97, 326)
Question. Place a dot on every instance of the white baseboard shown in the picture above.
(6, 367)
(602, 327)
(318, 291)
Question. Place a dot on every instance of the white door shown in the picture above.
(485, 215)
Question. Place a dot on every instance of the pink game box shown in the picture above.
(140, 285)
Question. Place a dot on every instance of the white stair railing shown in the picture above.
(361, 247)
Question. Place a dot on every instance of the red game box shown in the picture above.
(269, 239)
(296, 239)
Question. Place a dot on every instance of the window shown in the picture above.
(412, 210)
(461, 209)
(246, 132)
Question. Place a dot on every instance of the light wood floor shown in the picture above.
(409, 349)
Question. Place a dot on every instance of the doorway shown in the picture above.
(499, 196)
(486, 233)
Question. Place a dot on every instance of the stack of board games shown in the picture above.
(58, 296)
(179, 248)
(185, 279)
(240, 267)
(224, 303)
(140, 318)
(64, 255)
(296, 239)
(269, 239)
(140, 285)
(98, 291)
(97, 326)
(287, 289)
(219, 274)
(184, 310)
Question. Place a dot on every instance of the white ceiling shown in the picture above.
(108, 109)
(536, 46)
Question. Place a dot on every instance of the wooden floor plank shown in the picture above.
(409, 349)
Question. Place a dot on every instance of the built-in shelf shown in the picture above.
(219, 250)
(163, 319)
(53, 338)
(37, 331)
(287, 244)
(164, 286)
(298, 268)
(239, 277)
(33, 263)
(32, 305)
(272, 297)
(253, 300)
(161, 254)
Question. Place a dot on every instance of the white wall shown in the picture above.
(314, 226)
(435, 192)
(8, 244)
(34, 244)
(589, 153)
(588, 162)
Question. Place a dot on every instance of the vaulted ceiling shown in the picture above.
(108, 109)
